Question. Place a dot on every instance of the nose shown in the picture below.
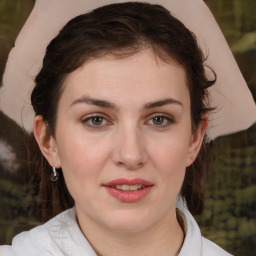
(130, 148)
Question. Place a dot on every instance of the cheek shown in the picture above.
(82, 161)
(171, 152)
(81, 150)
(170, 161)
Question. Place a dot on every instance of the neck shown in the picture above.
(164, 238)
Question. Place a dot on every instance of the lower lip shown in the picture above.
(129, 196)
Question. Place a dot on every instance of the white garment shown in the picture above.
(62, 236)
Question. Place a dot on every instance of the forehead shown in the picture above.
(142, 75)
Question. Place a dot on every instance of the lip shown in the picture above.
(128, 196)
(124, 181)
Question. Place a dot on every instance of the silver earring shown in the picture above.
(54, 175)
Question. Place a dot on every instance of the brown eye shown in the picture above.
(159, 120)
(97, 120)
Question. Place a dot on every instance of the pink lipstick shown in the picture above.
(128, 191)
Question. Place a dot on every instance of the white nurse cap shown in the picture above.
(236, 108)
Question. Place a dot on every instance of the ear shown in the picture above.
(196, 140)
(46, 142)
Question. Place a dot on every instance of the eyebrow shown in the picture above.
(161, 103)
(95, 102)
(107, 104)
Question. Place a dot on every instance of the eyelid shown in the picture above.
(169, 118)
(87, 118)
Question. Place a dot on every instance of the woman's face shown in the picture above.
(123, 140)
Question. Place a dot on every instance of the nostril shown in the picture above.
(130, 165)
(129, 149)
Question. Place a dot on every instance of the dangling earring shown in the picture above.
(54, 175)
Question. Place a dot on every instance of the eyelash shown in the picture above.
(167, 120)
(88, 121)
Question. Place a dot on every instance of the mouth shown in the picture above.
(128, 191)
(127, 187)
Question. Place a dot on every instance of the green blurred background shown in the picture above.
(229, 218)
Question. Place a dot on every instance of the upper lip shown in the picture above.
(124, 181)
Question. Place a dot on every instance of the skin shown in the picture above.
(128, 142)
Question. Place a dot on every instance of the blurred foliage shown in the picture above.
(13, 14)
(230, 210)
(229, 218)
(237, 19)
(19, 203)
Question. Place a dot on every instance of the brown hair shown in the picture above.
(121, 30)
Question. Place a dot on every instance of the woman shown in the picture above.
(120, 117)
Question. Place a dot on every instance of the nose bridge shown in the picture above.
(130, 147)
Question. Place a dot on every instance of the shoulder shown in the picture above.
(212, 249)
(194, 243)
(46, 239)
(28, 243)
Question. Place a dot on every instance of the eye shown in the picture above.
(160, 120)
(95, 121)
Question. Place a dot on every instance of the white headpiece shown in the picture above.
(236, 109)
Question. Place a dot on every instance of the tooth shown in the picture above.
(133, 187)
(125, 187)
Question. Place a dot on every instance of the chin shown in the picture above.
(128, 221)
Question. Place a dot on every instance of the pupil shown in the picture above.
(97, 120)
(158, 120)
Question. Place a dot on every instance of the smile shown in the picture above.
(128, 191)
(126, 187)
